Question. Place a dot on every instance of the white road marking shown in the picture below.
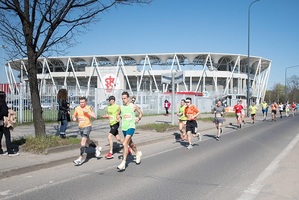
(259, 183)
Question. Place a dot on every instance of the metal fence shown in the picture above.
(149, 102)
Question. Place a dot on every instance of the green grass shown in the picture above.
(158, 127)
(40, 144)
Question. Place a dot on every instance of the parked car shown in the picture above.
(46, 105)
(15, 104)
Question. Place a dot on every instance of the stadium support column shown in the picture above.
(248, 67)
(172, 97)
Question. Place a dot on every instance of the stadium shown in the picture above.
(203, 75)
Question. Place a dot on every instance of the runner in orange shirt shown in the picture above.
(274, 107)
(83, 113)
(191, 112)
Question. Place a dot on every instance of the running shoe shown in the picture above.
(78, 162)
(138, 157)
(122, 166)
(98, 151)
(189, 146)
(109, 156)
(217, 138)
(13, 154)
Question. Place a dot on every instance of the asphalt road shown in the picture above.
(220, 170)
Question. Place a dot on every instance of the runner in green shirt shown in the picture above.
(128, 121)
(252, 109)
(182, 119)
(112, 110)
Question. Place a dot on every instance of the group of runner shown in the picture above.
(187, 114)
(289, 109)
(116, 114)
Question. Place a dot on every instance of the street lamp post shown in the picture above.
(248, 67)
(285, 80)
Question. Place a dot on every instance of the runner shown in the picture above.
(219, 113)
(274, 108)
(128, 119)
(287, 109)
(238, 110)
(265, 107)
(182, 119)
(83, 113)
(293, 107)
(191, 111)
(280, 108)
(253, 109)
(244, 108)
(112, 110)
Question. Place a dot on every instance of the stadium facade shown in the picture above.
(213, 75)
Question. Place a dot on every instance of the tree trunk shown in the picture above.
(39, 124)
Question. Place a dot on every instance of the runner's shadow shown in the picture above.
(178, 139)
(232, 126)
(210, 136)
(90, 153)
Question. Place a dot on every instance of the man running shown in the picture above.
(182, 119)
(264, 109)
(238, 110)
(253, 109)
(191, 111)
(83, 113)
(128, 119)
(274, 110)
(219, 113)
(280, 108)
(112, 110)
(293, 107)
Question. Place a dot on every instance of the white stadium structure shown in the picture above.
(213, 75)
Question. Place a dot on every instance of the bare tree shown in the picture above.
(293, 88)
(33, 28)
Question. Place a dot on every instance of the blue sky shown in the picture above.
(218, 26)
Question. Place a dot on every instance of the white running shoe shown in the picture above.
(78, 162)
(138, 157)
(122, 166)
(189, 146)
(98, 151)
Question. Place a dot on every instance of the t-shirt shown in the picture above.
(280, 106)
(253, 109)
(128, 117)
(218, 110)
(264, 105)
(83, 117)
(238, 108)
(112, 113)
(182, 113)
(190, 111)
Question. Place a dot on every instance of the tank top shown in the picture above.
(112, 113)
(128, 117)
(182, 113)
